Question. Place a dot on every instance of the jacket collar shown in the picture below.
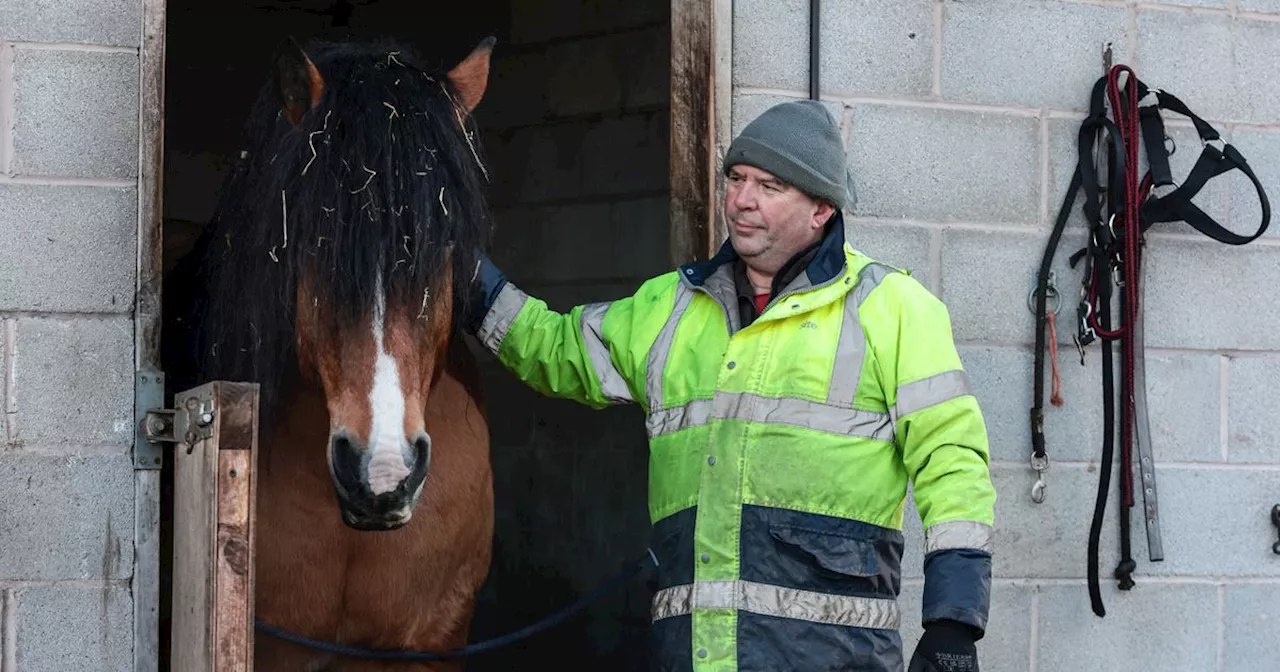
(827, 263)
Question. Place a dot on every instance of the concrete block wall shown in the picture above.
(960, 119)
(68, 237)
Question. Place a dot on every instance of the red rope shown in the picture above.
(1126, 113)
(1056, 397)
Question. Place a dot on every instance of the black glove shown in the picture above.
(946, 646)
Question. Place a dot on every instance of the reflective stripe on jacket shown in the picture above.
(781, 452)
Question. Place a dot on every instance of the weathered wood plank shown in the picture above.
(195, 514)
(146, 521)
(693, 143)
(146, 570)
(214, 514)
(150, 185)
(237, 435)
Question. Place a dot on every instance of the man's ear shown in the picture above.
(822, 214)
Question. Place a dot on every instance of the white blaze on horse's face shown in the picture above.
(388, 447)
(376, 381)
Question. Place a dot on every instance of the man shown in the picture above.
(792, 388)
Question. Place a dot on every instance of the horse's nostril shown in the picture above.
(422, 449)
(347, 460)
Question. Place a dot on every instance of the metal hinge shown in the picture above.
(190, 422)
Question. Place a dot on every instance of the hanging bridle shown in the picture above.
(1113, 261)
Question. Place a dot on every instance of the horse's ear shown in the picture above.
(471, 76)
(297, 82)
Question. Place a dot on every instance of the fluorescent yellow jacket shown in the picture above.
(780, 452)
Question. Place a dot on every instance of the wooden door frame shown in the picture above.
(145, 585)
(700, 124)
(701, 107)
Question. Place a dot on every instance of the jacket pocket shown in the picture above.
(832, 554)
(671, 540)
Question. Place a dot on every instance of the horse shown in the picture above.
(333, 273)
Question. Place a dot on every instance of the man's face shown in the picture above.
(770, 221)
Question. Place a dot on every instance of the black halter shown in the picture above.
(1113, 261)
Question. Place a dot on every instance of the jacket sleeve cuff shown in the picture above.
(957, 587)
(485, 288)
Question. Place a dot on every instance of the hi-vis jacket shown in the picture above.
(780, 453)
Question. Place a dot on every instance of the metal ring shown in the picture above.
(1052, 297)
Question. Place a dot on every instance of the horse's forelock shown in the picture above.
(376, 188)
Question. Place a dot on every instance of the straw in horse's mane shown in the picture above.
(378, 188)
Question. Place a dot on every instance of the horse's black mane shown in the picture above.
(377, 187)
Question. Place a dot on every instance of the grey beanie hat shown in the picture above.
(799, 143)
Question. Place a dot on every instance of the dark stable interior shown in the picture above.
(574, 127)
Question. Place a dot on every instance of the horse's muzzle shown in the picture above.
(368, 502)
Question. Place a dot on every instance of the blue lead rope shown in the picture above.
(470, 649)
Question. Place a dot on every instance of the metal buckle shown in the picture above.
(1041, 465)
(1085, 333)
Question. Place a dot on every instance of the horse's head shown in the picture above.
(351, 217)
(376, 375)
